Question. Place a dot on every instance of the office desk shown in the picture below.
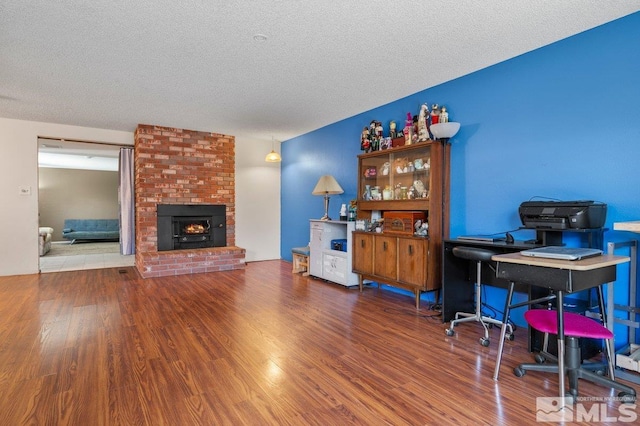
(629, 312)
(632, 226)
(560, 276)
(458, 275)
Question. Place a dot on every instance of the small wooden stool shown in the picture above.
(300, 260)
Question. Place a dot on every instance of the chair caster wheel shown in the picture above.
(519, 372)
(484, 342)
(490, 326)
(540, 359)
(511, 337)
(449, 332)
(627, 398)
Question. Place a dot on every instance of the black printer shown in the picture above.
(583, 214)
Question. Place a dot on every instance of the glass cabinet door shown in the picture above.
(395, 175)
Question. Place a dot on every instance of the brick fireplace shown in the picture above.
(180, 167)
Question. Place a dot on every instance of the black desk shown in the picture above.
(458, 275)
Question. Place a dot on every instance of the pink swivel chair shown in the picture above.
(575, 327)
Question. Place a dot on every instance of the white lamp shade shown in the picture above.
(327, 184)
(445, 130)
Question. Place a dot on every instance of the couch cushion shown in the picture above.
(92, 224)
(91, 229)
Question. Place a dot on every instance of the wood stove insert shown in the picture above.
(190, 226)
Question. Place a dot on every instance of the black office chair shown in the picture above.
(478, 255)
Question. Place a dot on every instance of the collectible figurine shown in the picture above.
(385, 168)
(367, 193)
(408, 129)
(423, 132)
(419, 187)
(444, 115)
(421, 228)
(392, 130)
(365, 143)
(435, 114)
(352, 213)
(378, 129)
(375, 134)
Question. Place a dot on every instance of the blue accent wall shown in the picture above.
(561, 122)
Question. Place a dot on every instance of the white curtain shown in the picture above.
(127, 203)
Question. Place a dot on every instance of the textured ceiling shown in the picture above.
(195, 64)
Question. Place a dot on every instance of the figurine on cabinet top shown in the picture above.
(385, 143)
(408, 129)
(423, 132)
(392, 130)
(444, 115)
(378, 129)
(435, 114)
(365, 143)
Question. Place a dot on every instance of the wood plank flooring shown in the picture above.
(253, 347)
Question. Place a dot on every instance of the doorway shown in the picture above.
(77, 180)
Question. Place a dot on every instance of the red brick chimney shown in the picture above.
(177, 166)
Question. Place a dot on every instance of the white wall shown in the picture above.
(257, 200)
(76, 194)
(257, 192)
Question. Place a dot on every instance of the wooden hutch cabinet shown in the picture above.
(412, 178)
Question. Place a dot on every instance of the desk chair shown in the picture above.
(575, 326)
(478, 255)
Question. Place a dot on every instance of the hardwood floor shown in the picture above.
(258, 346)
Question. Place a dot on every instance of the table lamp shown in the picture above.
(326, 186)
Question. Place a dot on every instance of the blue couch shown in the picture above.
(91, 229)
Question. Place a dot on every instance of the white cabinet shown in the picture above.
(334, 267)
(326, 263)
(315, 249)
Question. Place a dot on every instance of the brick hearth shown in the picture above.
(177, 166)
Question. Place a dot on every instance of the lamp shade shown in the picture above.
(326, 185)
(273, 157)
(445, 130)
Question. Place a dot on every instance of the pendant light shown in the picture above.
(273, 156)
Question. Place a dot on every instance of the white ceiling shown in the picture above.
(65, 154)
(195, 64)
